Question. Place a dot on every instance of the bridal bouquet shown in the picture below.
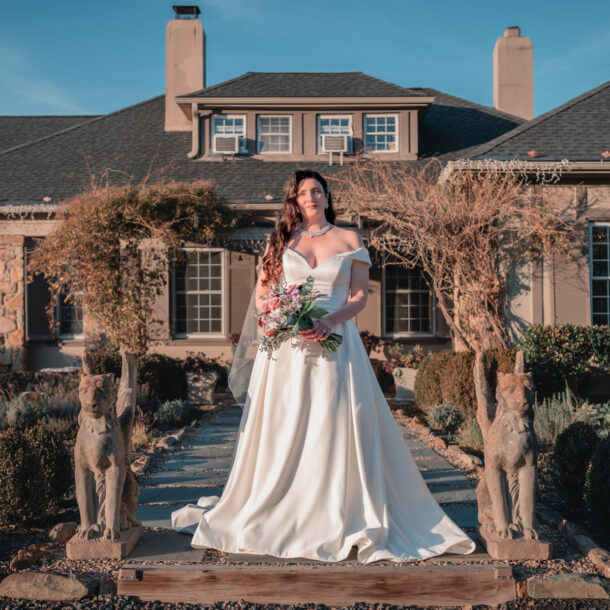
(289, 309)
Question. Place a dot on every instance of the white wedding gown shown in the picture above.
(319, 463)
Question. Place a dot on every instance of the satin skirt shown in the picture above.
(320, 465)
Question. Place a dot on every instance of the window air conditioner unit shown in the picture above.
(334, 143)
(227, 145)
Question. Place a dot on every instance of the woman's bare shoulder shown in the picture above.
(351, 237)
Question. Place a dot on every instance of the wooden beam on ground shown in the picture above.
(332, 585)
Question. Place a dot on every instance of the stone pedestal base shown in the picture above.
(100, 548)
(520, 548)
(200, 387)
(404, 379)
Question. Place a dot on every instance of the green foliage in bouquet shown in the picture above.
(292, 325)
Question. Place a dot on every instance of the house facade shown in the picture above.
(566, 155)
(248, 135)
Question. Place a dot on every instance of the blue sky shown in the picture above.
(81, 57)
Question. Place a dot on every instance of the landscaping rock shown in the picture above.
(465, 459)
(31, 398)
(439, 443)
(548, 516)
(26, 558)
(589, 549)
(43, 586)
(62, 532)
(167, 443)
(567, 586)
(141, 464)
(475, 460)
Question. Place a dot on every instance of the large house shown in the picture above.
(248, 134)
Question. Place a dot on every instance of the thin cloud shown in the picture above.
(26, 91)
(591, 49)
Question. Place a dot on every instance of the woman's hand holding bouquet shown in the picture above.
(288, 310)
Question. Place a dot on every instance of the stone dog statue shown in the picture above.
(507, 493)
(101, 455)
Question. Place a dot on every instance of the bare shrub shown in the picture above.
(465, 233)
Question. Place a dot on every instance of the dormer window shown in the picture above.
(340, 125)
(381, 133)
(229, 134)
(274, 133)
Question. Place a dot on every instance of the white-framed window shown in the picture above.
(381, 133)
(335, 124)
(408, 303)
(198, 299)
(599, 243)
(69, 318)
(229, 125)
(274, 133)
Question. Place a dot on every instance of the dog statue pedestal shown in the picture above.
(102, 548)
(515, 549)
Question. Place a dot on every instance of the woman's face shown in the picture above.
(311, 199)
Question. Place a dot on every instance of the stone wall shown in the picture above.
(12, 302)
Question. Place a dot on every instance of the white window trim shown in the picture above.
(258, 133)
(242, 149)
(591, 278)
(381, 152)
(398, 335)
(60, 335)
(223, 320)
(335, 116)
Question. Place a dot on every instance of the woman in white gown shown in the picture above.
(319, 463)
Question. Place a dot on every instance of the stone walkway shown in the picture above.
(202, 467)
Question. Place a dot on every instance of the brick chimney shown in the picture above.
(184, 63)
(514, 74)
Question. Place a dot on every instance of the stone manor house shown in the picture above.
(248, 134)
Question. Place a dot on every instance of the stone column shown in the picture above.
(12, 302)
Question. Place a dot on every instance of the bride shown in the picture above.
(319, 463)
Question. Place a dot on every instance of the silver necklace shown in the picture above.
(315, 233)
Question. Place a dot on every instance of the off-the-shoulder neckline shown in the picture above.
(326, 259)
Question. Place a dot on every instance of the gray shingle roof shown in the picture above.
(132, 142)
(577, 130)
(305, 84)
(454, 126)
(16, 130)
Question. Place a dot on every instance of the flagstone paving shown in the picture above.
(202, 467)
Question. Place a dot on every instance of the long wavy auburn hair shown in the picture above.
(291, 219)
